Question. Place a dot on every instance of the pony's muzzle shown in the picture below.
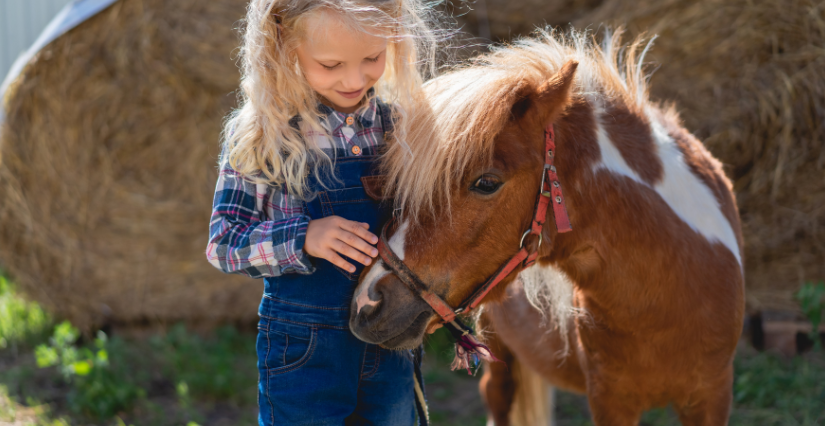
(386, 312)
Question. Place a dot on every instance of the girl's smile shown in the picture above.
(351, 95)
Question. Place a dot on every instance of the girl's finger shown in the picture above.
(339, 261)
(356, 242)
(348, 251)
(360, 230)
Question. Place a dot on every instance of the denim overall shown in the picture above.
(313, 370)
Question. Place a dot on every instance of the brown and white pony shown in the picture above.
(640, 305)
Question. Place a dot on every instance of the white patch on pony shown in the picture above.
(689, 197)
(373, 276)
(612, 159)
(684, 192)
(378, 271)
(550, 291)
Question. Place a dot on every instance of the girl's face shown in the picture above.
(340, 64)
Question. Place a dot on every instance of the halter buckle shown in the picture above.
(543, 180)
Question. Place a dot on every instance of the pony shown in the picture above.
(637, 302)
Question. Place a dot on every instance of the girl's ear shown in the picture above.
(553, 96)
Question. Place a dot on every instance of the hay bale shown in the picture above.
(500, 20)
(748, 79)
(108, 163)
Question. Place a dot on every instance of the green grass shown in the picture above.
(173, 379)
(50, 376)
(183, 378)
(770, 390)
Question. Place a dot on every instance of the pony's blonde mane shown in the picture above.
(462, 112)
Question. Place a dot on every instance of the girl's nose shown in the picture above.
(354, 80)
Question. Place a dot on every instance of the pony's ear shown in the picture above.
(553, 96)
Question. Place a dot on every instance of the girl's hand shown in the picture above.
(334, 235)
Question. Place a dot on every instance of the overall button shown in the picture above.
(356, 150)
(350, 120)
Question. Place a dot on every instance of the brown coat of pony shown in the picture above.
(641, 305)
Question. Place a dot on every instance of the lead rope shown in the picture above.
(420, 398)
(468, 350)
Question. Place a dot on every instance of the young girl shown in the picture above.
(290, 207)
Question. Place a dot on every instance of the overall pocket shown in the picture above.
(283, 347)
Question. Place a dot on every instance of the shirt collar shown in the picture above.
(367, 114)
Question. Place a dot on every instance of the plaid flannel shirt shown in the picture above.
(259, 230)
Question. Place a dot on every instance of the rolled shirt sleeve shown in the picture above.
(256, 229)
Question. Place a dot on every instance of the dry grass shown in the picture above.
(500, 20)
(107, 164)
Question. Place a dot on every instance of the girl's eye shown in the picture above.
(486, 185)
(330, 67)
(375, 59)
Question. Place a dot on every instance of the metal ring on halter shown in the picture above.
(524, 235)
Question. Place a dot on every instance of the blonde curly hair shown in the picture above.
(261, 143)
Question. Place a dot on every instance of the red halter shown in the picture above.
(549, 192)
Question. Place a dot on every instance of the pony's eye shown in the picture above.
(486, 184)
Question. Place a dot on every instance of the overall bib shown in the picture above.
(313, 370)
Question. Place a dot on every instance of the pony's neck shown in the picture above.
(603, 226)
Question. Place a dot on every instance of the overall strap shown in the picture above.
(385, 112)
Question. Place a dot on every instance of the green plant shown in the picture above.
(20, 321)
(120, 422)
(220, 366)
(96, 389)
(811, 299)
(183, 373)
(771, 390)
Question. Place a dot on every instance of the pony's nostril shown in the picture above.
(364, 304)
(367, 311)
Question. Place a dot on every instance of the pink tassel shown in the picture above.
(468, 352)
